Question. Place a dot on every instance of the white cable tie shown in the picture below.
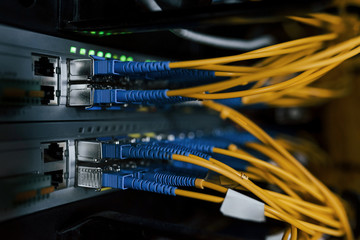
(240, 206)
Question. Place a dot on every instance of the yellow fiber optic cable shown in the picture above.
(332, 200)
(222, 60)
(286, 234)
(200, 196)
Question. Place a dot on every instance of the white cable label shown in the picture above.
(239, 206)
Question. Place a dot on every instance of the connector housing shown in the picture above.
(89, 177)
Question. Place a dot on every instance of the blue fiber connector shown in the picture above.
(140, 67)
(185, 149)
(139, 96)
(113, 151)
(195, 145)
(115, 180)
(166, 149)
(144, 153)
(147, 96)
(145, 185)
(121, 96)
(169, 179)
(125, 181)
(103, 66)
(181, 74)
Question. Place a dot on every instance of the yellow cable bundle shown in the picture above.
(283, 72)
(306, 197)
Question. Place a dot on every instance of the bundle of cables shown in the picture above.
(284, 74)
(302, 201)
(293, 73)
(308, 205)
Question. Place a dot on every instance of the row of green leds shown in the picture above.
(102, 33)
(82, 51)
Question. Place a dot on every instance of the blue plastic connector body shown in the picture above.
(103, 66)
(165, 148)
(185, 149)
(115, 180)
(160, 149)
(124, 181)
(140, 67)
(145, 185)
(183, 75)
(114, 151)
(141, 96)
(169, 179)
(195, 144)
(145, 153)
(121, 96)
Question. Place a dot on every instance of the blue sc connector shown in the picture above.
(115, 180)
(184, 149)
(139, 152)
(169, 179)
(195, 144)
(113, 151)
(125, 181)
(121, 96)
(103, 66)
(183, 75)
(165, 148)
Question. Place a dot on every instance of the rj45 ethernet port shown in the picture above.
(43, 67)
(46, 71)
(54, 152)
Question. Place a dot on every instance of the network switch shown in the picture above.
(43, 83)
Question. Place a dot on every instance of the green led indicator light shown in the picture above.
(147, 60)
(82, 51)
(115, 56)
(93, 32)
(123, 58)
(101, 33)
(91, 52)
(100, 54)
(108, 34)
(85, 31)
(129, 59)
(73, 49)
(108, 55)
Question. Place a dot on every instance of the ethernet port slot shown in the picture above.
(46, 70)
(49, 94)
(57, 178)
(54, 152)
(43, 67)
(54, 156)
